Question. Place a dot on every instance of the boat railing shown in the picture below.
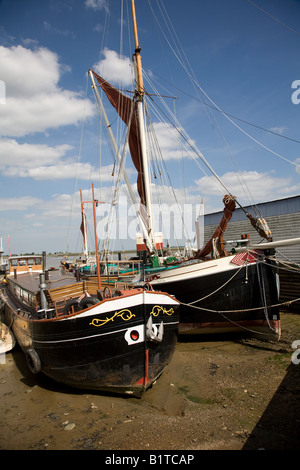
(116, 268)
(125, 267)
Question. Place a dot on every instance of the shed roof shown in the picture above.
(287, 205)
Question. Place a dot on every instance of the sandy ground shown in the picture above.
(224, 393)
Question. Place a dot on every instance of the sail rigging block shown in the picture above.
(261, 227)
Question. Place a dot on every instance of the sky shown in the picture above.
(230, 72)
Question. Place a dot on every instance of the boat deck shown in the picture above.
(31, 281)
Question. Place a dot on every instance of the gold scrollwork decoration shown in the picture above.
(157, 309)
(124, 314)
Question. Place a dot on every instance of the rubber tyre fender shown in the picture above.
(88, 302)
(33, 361)
(68, 307)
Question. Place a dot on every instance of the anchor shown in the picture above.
(152, 332)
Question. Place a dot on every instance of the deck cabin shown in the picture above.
(24, 282)
(25, 264)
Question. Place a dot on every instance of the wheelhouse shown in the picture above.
(25, 264)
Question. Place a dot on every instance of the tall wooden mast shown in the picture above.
(140, 87)
(139, 102)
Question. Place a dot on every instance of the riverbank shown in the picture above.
(223, 393)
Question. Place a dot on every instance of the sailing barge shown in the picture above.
(221, 293)
(114, 340)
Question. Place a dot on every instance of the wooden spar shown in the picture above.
(137, 51)
(95, 231)
(269, 245)
(83, 226)
(96, 242)
(139, 104)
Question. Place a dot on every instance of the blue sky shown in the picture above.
(243, 55)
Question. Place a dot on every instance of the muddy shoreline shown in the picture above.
(221, 393)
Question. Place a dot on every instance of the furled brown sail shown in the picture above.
(124, 106)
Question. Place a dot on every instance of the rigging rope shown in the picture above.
(275, 19)
(196, 83)
(76, 167)
(180, 58)
(269, 131)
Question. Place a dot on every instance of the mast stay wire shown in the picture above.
(238, 173)
(164, 178)
(274, 18)
(224, 112)
(181, 57)
(196, 151)
(76, 168)
(194, 81)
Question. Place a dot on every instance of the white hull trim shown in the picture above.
(125, 302)
(199, 269)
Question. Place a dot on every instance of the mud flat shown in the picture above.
(224, 393)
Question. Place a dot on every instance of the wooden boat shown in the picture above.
(81, 335)
(111, 340)
(218, 291)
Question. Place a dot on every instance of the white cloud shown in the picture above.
(18, 204)
(96, 4)
(262, 186)
(54, 172)
(34, 100)
(23, 116)
(13, 154)
(59, 206)
(170, 141)
(279, 130)
(41, 162)
(115, 68)
(27, 72)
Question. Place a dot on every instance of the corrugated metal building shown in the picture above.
(282, 217)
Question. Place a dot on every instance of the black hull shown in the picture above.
(107, 350)
(245, 300)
